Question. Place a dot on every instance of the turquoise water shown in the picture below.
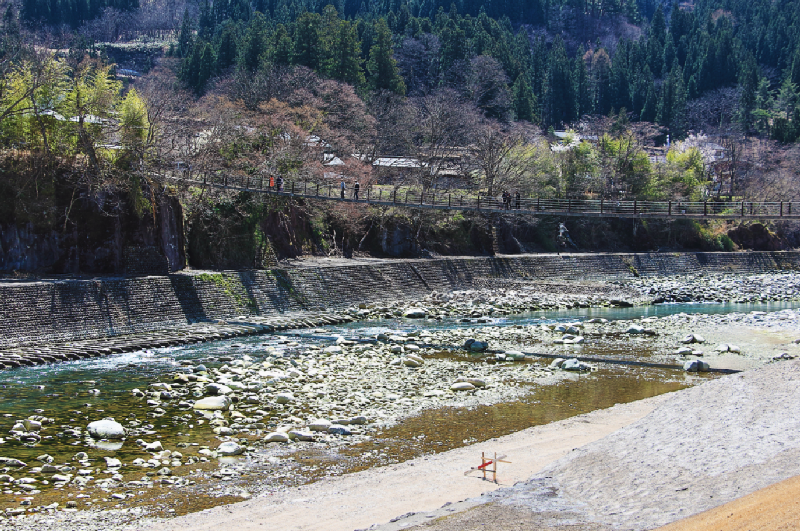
(371, 328)
(78, 392)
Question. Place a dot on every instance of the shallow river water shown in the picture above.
(76, 393)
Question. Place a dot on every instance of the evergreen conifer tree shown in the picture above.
(382, 67)
(524, 100)
(283, 46)
(185, 36)
(672, 107)
(306, 40)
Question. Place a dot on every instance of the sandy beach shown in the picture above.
(375, 496)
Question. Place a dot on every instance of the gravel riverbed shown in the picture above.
(320, 394)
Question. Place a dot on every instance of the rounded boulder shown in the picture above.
(106, 429)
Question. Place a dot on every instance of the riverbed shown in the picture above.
(354, 401)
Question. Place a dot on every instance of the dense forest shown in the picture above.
(548, 61)
(660, 101)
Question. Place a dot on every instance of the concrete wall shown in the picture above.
(35, 312)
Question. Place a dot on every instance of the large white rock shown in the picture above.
(338, 429)
(415, 313)
(574, 365)
(462, 386)
(106, 429)
(112, 462)
(693, 338)
(32, 425)
(153, 447)
(301, 435)
(276, 436)
(218, 389)
(319, 425)
(229, 448)
(415, 357)
(284, 398)
(477, 382)
(333, 349)
(213, 403)
(695, 366)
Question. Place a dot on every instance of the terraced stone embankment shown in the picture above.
(58, 320)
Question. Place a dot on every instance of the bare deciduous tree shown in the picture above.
(445, 125)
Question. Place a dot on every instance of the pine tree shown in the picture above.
(794, 70)
(227, 47)
(328, 35)
(346, 63)
(561, 98)
(748, 84)
(254, 45)
(306, 40)
(524, 100)
(672, 107)
(762, 114)
(454, 45)
(582, 84)
(382, 66)
(283, 46)
(205, 25)
(650, 108)
(185, 37)
(207, 66)
(655, 42)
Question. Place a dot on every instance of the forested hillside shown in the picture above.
(551, 62)
(661, 101)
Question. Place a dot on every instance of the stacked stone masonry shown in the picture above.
(52, 311)
(145, 261)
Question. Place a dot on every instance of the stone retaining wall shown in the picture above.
(38, 312)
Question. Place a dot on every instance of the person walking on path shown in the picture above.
(518, 199)
(343, 186)
(564, 238)
(356, 187)
(279, 182)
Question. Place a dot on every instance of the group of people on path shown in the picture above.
(356, 188)
(507, 200)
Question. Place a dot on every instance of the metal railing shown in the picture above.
(531, 206)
